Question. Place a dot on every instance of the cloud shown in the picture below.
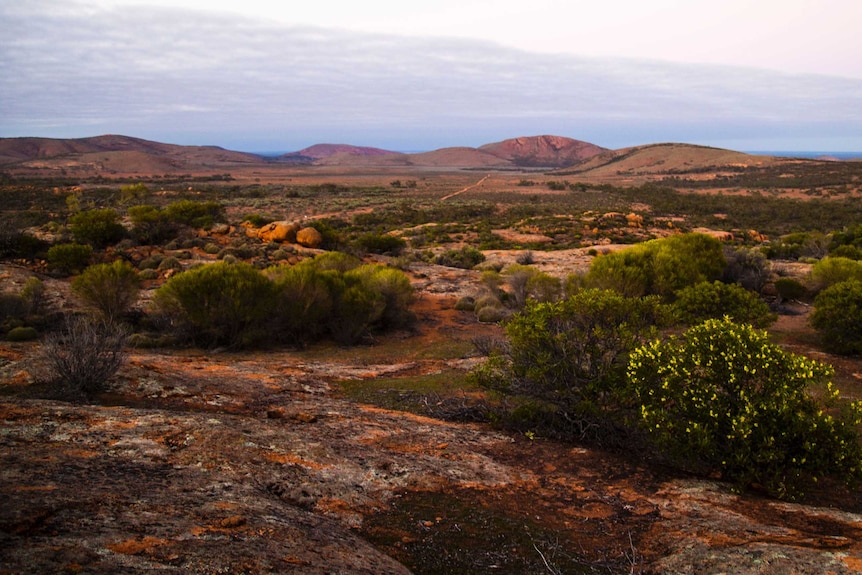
(195, 77)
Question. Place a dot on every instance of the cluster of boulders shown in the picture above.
(287, 232)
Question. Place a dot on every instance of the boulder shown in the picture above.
(309, 237)
(278, 232)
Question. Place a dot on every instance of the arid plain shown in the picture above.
(381, 457)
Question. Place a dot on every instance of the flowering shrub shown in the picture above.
(722, 398)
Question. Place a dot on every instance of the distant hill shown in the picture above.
(116, 154)
(543, 151)
(124, 155)
(665, 159)
(319, 152)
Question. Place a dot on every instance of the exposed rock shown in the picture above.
(309, 237)
(279, 232)
(635, 220)
(221, 229)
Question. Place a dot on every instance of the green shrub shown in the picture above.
(709, 300)
(487, 300)
(527, 282)
(148, 274)
(303, 301)
(133, 193)
(195, 214)
(627, 271)
(838, 317)
(22, 334)
(17, 244)
(847, 251)
(169, 263)
(13, 309)
(98, 228)
(723, 398)
(748, 268)
(335, 261)
(381, 243)
(258, 220)
(69, 258)
(659, 267)
(491, 314)
(219, 304)
(151, 262)
(466, 258)
(108, 289)
(331, 237)
(798, 245)
(34, 295)
(465, 303)
(830, 271)
(789, 289)
(356, 308)
(571, 355)
(394, 286)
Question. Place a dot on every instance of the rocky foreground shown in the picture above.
(252, 464)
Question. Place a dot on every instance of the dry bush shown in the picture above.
(85, 355)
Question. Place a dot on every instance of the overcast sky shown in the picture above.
(260, 75)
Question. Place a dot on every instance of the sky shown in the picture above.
(258, 75)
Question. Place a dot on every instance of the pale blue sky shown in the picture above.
(257, 75)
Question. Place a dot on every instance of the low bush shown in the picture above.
(150, 225)
(571, 356)
(169, 263)
(712, 300)
(659, 267)
(258, 220)
(84, 356)
(33, 294)
(721, 397)
(466, 258)
(837, 317)
(395, 288)
(491, 314)
(303, 301)
(195, 214)
(12, 306)
(748, 268)
(108, 289)
(98, 228)
(238, 306)
(219, 304)
(356, 308)
(23, 333)
(789, 289)
(465, 303)
(17, 244)
(69, 258)
(847, 251)
(832, 270)
(525, 282)
(381, 244)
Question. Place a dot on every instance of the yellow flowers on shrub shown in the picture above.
(722, 397)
